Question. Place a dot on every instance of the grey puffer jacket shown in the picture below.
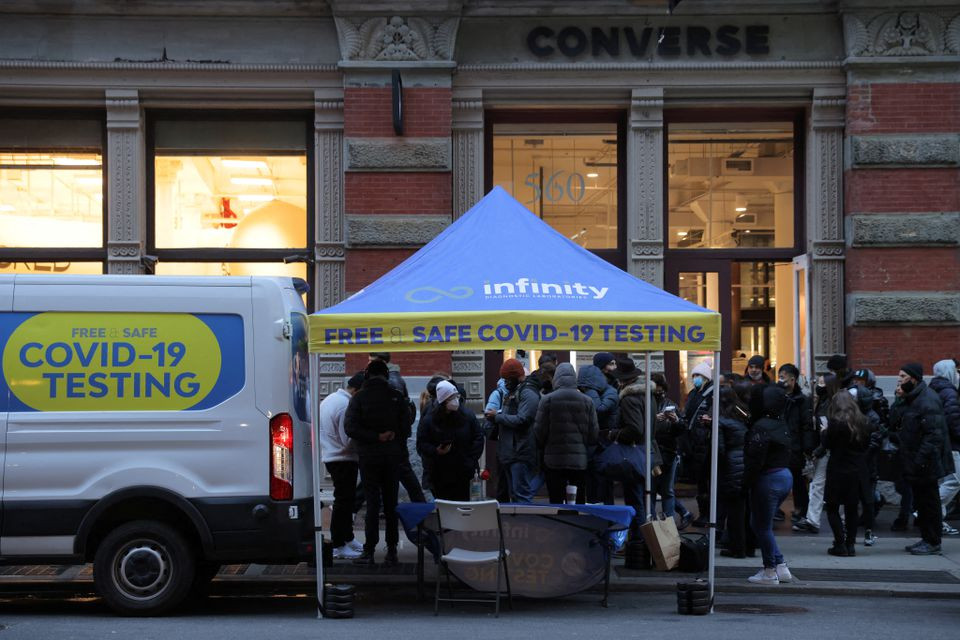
(514, 422)
(945, 372)
(565, 428)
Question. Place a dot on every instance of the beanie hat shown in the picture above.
(511, 369)
(702, 369)
(356, 380)
(837, 363)
(378, 368)
(445, 391)
(913, 369)
(756, 361)
(381, 355)
(602, 359)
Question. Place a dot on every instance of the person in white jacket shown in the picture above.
(341, 459)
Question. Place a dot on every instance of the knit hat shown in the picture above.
(913, 369)
(356, 380)
(837, 363)
(756, 361)
(702, 369)
(378, 368)
(511, 369)
(602, 359)
(445, 391)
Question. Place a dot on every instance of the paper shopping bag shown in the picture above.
(663, 540)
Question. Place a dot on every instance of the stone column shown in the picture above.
(126, 187)
(645, 193)
(329, 250)
(825, 222)
(467, 129)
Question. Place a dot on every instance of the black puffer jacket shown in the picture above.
(565, 428)
(459, 428)
(951, 408)
(768, 441)
(631, 425)
(732, 436)
(593, 384)
(375, 409)
(666, 432)
(798, 415)
(924, 453)
(514, 422)
(699, 403)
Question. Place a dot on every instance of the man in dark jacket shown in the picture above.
(595, 385)
(924, 452)
(607, 363)
(797, 415)
(944, 382)
(513, 422)
(378, 421)
(565, 429)
(407, 477)
(754, 372)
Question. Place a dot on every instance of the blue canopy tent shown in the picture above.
(499, 277)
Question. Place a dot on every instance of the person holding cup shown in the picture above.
(564, 430)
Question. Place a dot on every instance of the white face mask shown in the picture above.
(453, 404)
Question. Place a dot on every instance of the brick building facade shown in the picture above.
(794, 165)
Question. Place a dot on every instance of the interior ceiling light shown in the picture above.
(7, 207)
(255, 197)
(740, 209)
(260, 182)
(682, 234)
(593, 175)
(76, 162)
(235, 163)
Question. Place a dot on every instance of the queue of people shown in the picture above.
(551, 426)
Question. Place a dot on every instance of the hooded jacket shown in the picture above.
(593, 383)
(699, 403)
(377, 408)
(768, 441)
(565, 428)
(797, 415)
(924, 450)
(631, 422)
(732, 437)
(461, 429)
(514, 422)
(943, 382)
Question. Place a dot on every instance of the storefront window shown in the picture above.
(731, 185)
(293, 270)
(564, 173)
(51, 183)
(53, 267)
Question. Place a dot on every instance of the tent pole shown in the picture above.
(714, 448)
(647, 429)
(315, 463)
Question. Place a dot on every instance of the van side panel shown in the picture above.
(6, 304)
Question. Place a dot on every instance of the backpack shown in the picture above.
(694, 552)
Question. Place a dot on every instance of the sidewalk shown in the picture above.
(883, 570)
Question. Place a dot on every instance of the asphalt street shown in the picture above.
(395, 614)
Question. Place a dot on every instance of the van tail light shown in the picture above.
(281, 457)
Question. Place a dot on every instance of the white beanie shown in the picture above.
(702, 369)
(445, 391)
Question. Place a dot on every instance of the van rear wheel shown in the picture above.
(144, 568)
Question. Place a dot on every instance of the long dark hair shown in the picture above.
(731, 407)
(843, 409)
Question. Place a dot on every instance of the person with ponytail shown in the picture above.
(847, 438)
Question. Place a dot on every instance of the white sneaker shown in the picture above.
(783, 573)
(356, 546)
(346, 552)
(765, 577)
(949, 531)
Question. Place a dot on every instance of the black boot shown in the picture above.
(391, 559)
(367, 559)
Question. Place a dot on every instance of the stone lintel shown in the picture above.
(915, 150)
(394, 230)
(398, 154)
(903, 308)
(904, 229)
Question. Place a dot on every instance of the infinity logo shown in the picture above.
(426, 295)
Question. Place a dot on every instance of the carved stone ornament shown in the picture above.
(397, 39)
(906, 33)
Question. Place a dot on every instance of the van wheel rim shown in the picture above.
(142, 569)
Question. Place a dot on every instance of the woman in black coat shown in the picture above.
(732, 433)
(847, 439)
(450, 440)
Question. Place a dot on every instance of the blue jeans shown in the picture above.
(662, 486)
(524, 482)
(768, 492)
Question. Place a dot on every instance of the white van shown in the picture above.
(155, 426)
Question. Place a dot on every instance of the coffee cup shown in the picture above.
(571, 494)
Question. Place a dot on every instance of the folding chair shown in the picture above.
(471, 517)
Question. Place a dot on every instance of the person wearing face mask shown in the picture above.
(452, 441)
(797, 416)
(697, 419)
(667, 429)
(754, 372)
(513, 422)
(924, 453)
(824, 390)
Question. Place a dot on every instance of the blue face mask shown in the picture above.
(697, 381)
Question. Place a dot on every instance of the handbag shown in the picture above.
(623, 462)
